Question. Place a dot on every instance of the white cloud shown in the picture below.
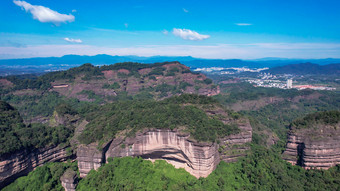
(189, 34)
(73, 40)
(185, 10)
(165, 32)
(44, 14)
(73, 11)
(243, 24)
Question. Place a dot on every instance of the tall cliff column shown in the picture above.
(69, 180)
(317, 147)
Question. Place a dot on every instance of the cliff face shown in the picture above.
(22, 162)
(199, 159)
(234, 146)
(89, 157)
(314, 148)
(69, 180)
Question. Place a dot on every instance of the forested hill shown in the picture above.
(15, 135)
(306, 68)
(329, 118)
(89, 83)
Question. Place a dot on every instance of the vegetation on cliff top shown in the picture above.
(180, 111)
(315, 119)
(15, 135)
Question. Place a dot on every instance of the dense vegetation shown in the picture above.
(262, 170)
(314, 119)
(106, 121)
(276, 116)
(136, 174)
(279, 116)
(43, 178)
(35, 105)
(245, 91)
(15, 135)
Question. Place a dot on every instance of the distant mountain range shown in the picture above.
(42, 65)
(306, 68)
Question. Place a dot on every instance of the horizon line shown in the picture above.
(252, 59)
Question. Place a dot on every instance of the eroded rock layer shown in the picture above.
(314, 148)
(199, 159)
(69, 180)
(234, 146)
(22, 162)
(89, 157)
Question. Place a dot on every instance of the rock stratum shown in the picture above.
(69, 180)
(22, 162)
(199, 159)
(315, 146)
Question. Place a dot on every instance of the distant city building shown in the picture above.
(289, 83)
(272, 81)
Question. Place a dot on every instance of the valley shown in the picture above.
(93, 122)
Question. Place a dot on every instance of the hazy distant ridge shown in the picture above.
(41, 65)
(306, 68)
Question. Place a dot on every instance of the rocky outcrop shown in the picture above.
(90, 157)
(317, 147)
(199, 159)
(22, 162)
(69, 180)
(234, 146)
(177, 148)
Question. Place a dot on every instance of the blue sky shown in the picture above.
(207, 29)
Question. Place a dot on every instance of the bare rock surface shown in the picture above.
(69, 180)
(177, 148)
(90, 157)
(199, 159)
(314, 147)
(22, 162)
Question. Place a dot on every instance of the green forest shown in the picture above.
(106, 121)
(15, 135)
(312, 120)
(261, 169)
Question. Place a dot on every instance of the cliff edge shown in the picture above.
(314, 141)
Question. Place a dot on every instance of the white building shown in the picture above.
(289, 83)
